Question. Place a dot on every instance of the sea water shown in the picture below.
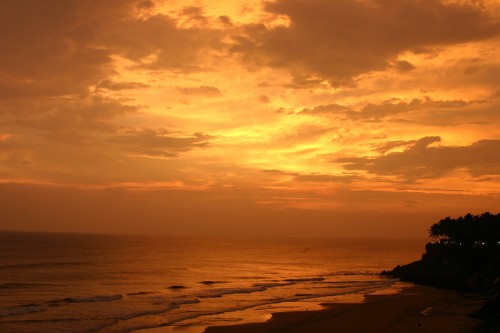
(116, 283)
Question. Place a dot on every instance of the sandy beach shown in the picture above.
(416, 309)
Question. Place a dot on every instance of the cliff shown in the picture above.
(466, 268)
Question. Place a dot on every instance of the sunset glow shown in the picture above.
(284, 117)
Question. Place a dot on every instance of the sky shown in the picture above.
(333, 118)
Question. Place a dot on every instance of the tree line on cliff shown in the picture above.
(468, 230)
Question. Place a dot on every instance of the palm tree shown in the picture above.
(469, 229)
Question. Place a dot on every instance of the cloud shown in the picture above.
(386, 146)
(304, 82)
(403, 65)
(97, 159)
(160, 142)
(315, 177)
(112, 85)
(201, 90)
(327, 178)
(340, 40)
(375, 112)
(423, 161)
(158, 43)
(428, 111)
(48, 47)
(301, 134)
(70, 115)
(54, 48)
(326, 109)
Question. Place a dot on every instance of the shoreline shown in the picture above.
(263, 313)
(413, 309)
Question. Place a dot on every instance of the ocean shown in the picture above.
(121, 283)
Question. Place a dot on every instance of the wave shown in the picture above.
(177, 287)
(45, 264)
(312, 279)
(20, 285)
(177, 303)
(31, 308)
(354, 282)
(272, 284)
(219, 292)
(159, 318)
(348, 273)
(104, 298)
(140, 293)
(292, 281)
(258, 287)
(296, 297)
(312, 290)
(180, 302)
(19, 310)
(148, 312)
(210, 282)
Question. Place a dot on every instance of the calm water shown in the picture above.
(105, 283)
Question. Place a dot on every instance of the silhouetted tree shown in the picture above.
(469, 229)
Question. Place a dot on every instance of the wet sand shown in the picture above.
(416, 309)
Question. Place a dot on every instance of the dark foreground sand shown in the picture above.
(416, 309)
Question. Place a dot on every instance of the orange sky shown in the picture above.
(285, 117)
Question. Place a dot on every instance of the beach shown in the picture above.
(414, 309)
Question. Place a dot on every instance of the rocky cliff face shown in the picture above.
(472, 268)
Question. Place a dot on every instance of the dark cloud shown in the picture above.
(201, 90)
(326, 109)
(403, 66)
(431, 112)
(57, 61)
(264, 99)
(48, 47)
(63, 47)
(421, 160)
(226, 20)
(70, 115)
(275, 172)
(428, 111)
(472, 72)
(160, 142)
(304, 82)
(386, 146)
(195, 14)
(160, 38)
(376, 112)
(112, 85)
(339, 40)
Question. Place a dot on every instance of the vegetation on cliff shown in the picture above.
(464, 255)
(469, 230)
